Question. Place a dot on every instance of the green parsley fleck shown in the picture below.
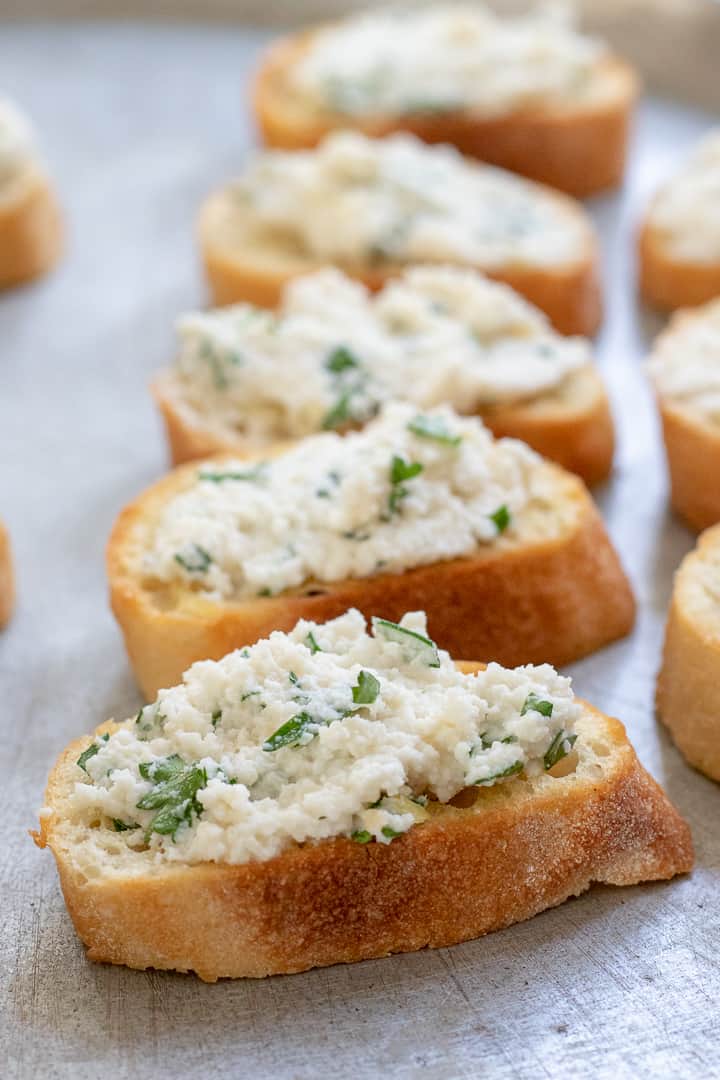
(501, 517)
(361, 836)
(194, 559)
(311, 643)
(92, 750)
(341, 359)
(433, 427)
(532, 701)
(367, 689)
(556, 750)
(174, 795)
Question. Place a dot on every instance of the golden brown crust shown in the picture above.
(551, 600)
(687, 690)
(572, 427)
(30, 229)
(7, 579)
(336, 901)
(693, 453)
(669, 283)
(579, 148)
(240, 268)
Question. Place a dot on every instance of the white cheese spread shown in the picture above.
(685, 367)
(326, 731)
(334, 353)
(409, 489)
(16, 141)
(359, 200)
(686, 211)
(444, 59)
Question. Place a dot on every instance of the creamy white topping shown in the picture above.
(685, 366)
(443, 59)
(686, 211)
(409, 489)
(16, 140)
(355, 199)
(334, 353)
(326, 731)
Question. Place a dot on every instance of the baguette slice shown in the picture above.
(667, 282)
(30, 228)
(571, 425)
(540, 598)
(692, 439)
(530, 843)
(7, 579)
(244, 263)
(578, 147)
(688, 679)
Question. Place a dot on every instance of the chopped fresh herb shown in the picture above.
(355, 534)
(362, 836)
(501, 517)
(433, 427)
(265, 591)
(400, 471)
(121, 826)
(216, 717)
(341, 359)
(512, 770)
(250, 476)
(415, 646)
(389, 833)
(245, 653)
(195, 559)
(293, 678)
(311, 643)
(249, 694)
(556, 750)
(532, 701)
(208, 353)
(92, 750)
(290, 733)
(340, 412)
(367, 689)
(174, 795)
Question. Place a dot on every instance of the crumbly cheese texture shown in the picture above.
(685, 367)
(445, 59)
(686, 211)
(359, 200)
(388, 726)
(409, 489)
(334, 353)
(16, 141)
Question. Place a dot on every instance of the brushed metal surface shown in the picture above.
(138, 124)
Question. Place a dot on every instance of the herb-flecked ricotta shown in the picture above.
(444, 59)
(357, 200)
(685, 367)
(334, 352)
(686, 211)
(409, 489)
(326, 731)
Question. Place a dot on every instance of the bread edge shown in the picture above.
(31, 232)
(7, 577)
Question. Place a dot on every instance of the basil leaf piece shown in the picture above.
(556, 750)
(174, 795)
(290, 733)
(502, 518)
(361, 836)
(340, 359)
(92, 750)
(512, 770)
(367, 689)
(433, 427)
(532, 701)
(400, 471)
(194, 559)
(415, 646)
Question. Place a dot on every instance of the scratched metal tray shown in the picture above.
(138, 123)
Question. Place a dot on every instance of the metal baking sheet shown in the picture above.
(138, 123)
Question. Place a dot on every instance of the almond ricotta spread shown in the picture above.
(334, 353)
(444, 59)
(686, 211)
(327, 731)
(16, 141)
(359, 200)
(409, 489)
(685, 367)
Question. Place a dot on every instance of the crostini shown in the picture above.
(527, 93)
(7, 577)
(330, 795)
(374, 206)
(334, 353)
(688, 680)
(505, 551)
(685, 371)
(679, 242)
(30, 226)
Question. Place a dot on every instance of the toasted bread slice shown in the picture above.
(30, 227)
(688, 679)
(7, 579)
(578, 146)
(531, 842)
(245, 261)
(683, 365)
(571, 425)
(552, 590)
(667, 282)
